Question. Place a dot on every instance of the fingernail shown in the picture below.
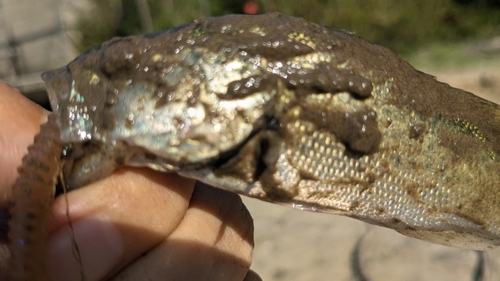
(100, 247)
(252, 276)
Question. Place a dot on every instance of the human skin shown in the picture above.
(135, 224)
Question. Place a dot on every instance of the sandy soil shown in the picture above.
(295, 245)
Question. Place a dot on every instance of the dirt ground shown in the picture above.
(295, 245)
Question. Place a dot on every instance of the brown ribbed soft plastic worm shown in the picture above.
(32, 196)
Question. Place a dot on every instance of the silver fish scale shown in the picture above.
(385, 202)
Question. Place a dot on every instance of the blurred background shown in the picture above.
(458, 41)
(44, 34)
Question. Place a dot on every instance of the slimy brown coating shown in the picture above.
(291, 112)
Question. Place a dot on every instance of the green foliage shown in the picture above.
(399, 25)
(99, 24)
(109, 18)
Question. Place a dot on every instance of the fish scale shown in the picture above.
(318, 84)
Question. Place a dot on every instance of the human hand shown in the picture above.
(136, 224)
